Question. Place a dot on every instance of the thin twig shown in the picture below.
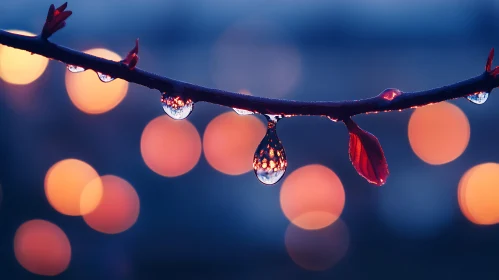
(337, 110)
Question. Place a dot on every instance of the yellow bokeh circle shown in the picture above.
(20, 67)
(89, 94)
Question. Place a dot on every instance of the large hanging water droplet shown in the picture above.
(269, 162)
(479, 97)
(177, 107)
(242, 112)
(105, 77)
(75, 69)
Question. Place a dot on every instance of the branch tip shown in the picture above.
(132, 58)
(56, 20)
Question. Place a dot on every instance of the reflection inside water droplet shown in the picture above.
(105, 77)
(176, 107)
(75, 69)
(390, 94)
(479, 97)
(269, 162)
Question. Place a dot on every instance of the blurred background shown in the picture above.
(97, 182)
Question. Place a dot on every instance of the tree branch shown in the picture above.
(340, 110)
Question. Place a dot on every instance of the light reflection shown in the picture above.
(20, 67)
(317, 250)
(478, 194)
(170, 147)
(118, 209)
(68, 190)
(438, 134)
(42, 248)
(89, 94)
(229, 142)
(312, 197)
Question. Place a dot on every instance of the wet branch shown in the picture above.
(340, 110)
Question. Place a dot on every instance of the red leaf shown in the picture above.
(366, 154)
(489, 60)
(62, 8)
(50, 14)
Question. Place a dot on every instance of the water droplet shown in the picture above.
(479, 97)
(75, 69)
(177, 107)
(269, 162)
(333, 119)
(242, 112)
(105, 77)
(390, 94)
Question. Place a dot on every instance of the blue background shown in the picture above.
(207, 225)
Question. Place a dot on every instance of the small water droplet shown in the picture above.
(479, 97)
(269, 162)
(75, 69)
(176, 107)
(105, 77)
(390, 94)
(242, 112)
(333, 119)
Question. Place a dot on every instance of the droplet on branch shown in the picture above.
(479, 97)
(75, 69)
(177, 107)
(242, 112)
(105, 77)
(390, 94)
(269, 162)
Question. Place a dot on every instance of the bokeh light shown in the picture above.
(20, 67)
(230, 140)
(312, 197)
(317, 250)
(118, 209)
(478, 194)
(91, 95)
(68, 190)
(170, 147)
(42, 248)
(416, 204)
(439, 133)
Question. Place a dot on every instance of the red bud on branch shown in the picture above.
(488, 66)
(132, 57)
(366, 154)
(56, 20)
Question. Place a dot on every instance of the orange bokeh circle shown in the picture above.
(67, 187)
(91, 95)
(438, 133)
(478, 194)
(317, 250)
(170, 147)
(230, 140)
(20, 67)
(312, 197)
(118, 209)
(42, 248)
